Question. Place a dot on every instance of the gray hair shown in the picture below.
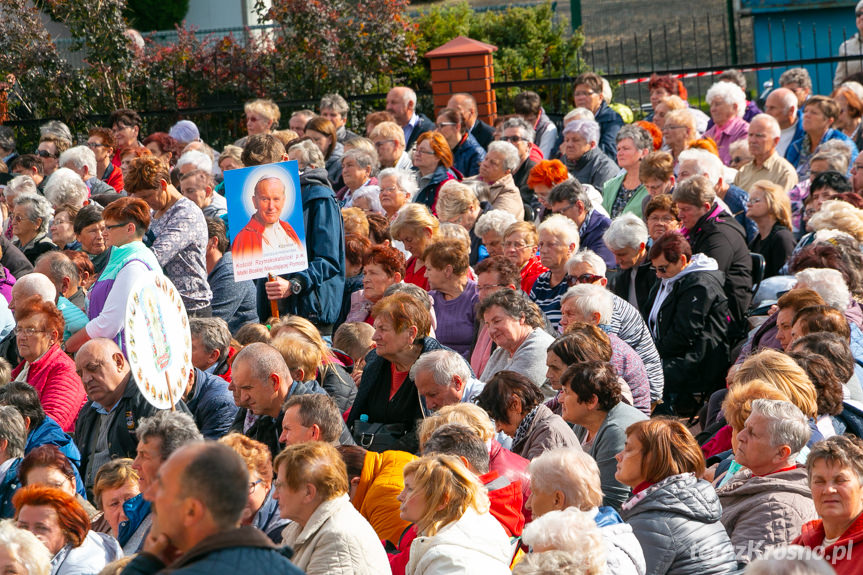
(444, 365)
(373, 193)
(404, 180)
(310, 155)
(735, 76)
(798, 76)
(589, 257)
(790, 560)
(728, 93)
(562, 227)
(709, 165)
(199, 160)
(591, 299)
(772, 125)
(60, 266)
(264, 360)
(579, 114)
(553, 561)
(20, 185)
(56, 128)
(511, 159)
(412, 290)
(38, 207)
(173, 428)
(569, 530)
(527, 131)
(786, 424)
(570, 471)
(336, 102)
(837, 160)
(625, 231)
(213, 333)
(836, 146)
(35, 284)
(363, 158)
(13, 430)
(570, 191)
(826, 282)
(25, 548)
(493, 221)
(66, 188)
(638, 135)
(587, 129)
(79, 156)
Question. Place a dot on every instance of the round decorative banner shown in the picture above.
(158, 341)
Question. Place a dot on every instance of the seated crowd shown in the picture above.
(590, 348)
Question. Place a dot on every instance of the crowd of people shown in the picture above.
(591, 347)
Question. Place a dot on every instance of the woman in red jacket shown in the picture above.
(47, 367)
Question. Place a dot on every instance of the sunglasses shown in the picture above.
(44, 154)
(588, 279)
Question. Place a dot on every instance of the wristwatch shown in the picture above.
(296, 286)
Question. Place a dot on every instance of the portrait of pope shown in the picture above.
(265, 232)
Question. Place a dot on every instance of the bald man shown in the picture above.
(782, 105)
(114, 403)
(766, 163)
(466, 105)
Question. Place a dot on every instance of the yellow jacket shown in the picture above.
(380, 483)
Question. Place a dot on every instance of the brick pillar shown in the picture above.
(464, 65)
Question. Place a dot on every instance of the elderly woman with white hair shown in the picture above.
(490, 228)
(82, 161)
(766, 503)
(558, 240)
(566, 482)
(570, 531)
(67, 188)
(16, 186)
(398, 187)
(307, 155)
(21, 553)
(496, 170)
(30, 219)
(625, 193)
(727, 106)
(358, 170)
(579, 153)
(627, 239)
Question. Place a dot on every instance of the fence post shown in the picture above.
(464, 65)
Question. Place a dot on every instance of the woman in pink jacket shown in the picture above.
(47, 367)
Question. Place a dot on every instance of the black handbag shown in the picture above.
(378, 437)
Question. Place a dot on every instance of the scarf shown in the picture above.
(521, 431)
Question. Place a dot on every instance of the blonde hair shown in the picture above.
(454, 200)
(737, 404)
(839, 215)
(365, 145)
(782, 372)
(682, 117)
(299, 353)
(448, 231)
(307, 331)
(116, 473)
(265, 108)
(315, 462)
(675, 102)
(571, 471)
(255, 454)
(470, 415)
(413, 218)
(448, 488)
(528, 228)
(390, 131)
(778, 202)
(25, 548)
(355, 221)
(354, 338)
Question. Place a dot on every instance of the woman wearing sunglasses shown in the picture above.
(689, 320)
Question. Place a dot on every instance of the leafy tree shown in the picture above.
(150, 15)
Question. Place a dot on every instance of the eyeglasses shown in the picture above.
(96, 145)
(754, 200)
(381, 143)
(584, 93)
(516, 245)
(675, 127)
(45, 154)
(254, 484)
(28, 331)
(391, 189)
(660, 269)
(588, 279)
(660, 219)
(562, 210)
(426, 152)
(513, 139)
(445, 124)
(114, 226)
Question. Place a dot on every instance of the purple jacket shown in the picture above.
(630, 367)
(6, 282)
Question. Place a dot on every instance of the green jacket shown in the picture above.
(612, 187)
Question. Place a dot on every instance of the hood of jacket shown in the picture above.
(315, 185)
(744, 483)
(699, 263)
(475, 532)
(683, 495)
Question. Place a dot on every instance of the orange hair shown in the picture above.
(35, 305)
(654, 132)
(707, 144)
(71, 516)
(547, 172)
(439, 147)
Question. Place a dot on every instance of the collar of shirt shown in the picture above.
(731, 126)
(583, 227)
(98, 407)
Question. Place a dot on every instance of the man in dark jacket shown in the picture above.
(198, 502)
(402, 103)
(211, 403)
(570, 199)
(114, 404)
(717, 235)
(688, 318)
(316, 292)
